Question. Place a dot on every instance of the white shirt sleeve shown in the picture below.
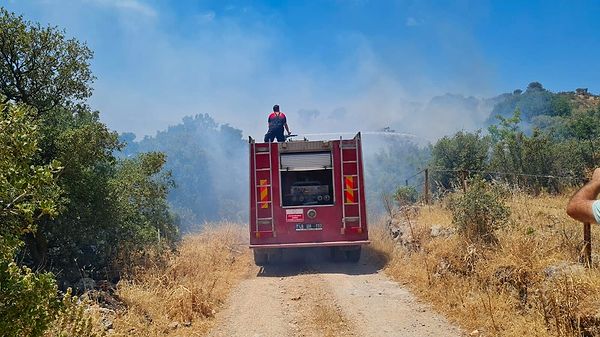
(596, 210)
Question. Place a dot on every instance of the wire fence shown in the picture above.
(453, 178)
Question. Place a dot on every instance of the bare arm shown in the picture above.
(286, 128)
(580, 205)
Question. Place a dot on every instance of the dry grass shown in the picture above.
(328, 320)
(180, 298)
(529, 284)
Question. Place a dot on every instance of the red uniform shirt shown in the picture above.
(277, 121)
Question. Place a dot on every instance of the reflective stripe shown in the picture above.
(264, 194)
(349, 189)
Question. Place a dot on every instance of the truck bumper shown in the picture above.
(312, 244)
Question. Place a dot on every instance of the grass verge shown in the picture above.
(181, 297)
(528, 283)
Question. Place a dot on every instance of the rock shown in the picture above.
(474, 333)
(85, 284)
(441, 231)
(107, 324)
(106, 311)
(173, 325)
(563, 268)
(400, 232)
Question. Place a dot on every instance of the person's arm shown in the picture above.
(285, 125)
(581, 205)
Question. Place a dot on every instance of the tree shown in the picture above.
(535, 101)
(139, 189)
(584, 126)
(465, 151)
(535, 86)
(28, 193)
(209, 164)
(40, 67)
(388, 169)
(560, 105)
(507, 138)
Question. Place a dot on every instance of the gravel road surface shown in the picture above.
(308, 298)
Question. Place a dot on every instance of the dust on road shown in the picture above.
(326, 299)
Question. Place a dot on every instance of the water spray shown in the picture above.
(375, 133)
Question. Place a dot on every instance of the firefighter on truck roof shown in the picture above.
(277, 122)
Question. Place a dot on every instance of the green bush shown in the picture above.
(480, 211)
(27, 300)
(406, 195)
(73, 319)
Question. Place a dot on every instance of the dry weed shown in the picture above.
(529, 284)
(179, 298)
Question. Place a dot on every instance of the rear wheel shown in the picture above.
(353, 255)
(261, 258)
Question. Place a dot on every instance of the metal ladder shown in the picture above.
(355, 189)
(258, 185)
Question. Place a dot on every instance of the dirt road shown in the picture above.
(326, 299)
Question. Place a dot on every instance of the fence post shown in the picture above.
(426, 186)
(587, 244)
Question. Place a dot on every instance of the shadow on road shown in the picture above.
(319, 261)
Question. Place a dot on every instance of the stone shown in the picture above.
(107, 324)
(441, 231)
(85, 284)
(563, 268)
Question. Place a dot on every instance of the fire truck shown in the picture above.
(307, 194)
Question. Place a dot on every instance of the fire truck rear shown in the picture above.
(307, 194)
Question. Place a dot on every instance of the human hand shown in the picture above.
(596, 175)
(289, 133)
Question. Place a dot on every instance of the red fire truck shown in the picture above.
(307, 194)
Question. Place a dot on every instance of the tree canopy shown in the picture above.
(39, 66)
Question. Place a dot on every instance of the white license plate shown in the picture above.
(309, 227)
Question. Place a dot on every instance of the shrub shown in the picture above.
(406, 195)
(74, 319)
(480, 211)
(27, 300)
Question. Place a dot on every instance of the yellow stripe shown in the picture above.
(264, 193)
(349, 182)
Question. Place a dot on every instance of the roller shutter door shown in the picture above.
(305, 161)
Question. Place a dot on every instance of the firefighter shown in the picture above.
(583, 206)
(277, 122)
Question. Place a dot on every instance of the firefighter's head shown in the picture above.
(275, 108)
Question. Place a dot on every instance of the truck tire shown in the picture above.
(353, 255)
(261, 258)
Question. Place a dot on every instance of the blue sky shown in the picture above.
(336, 65)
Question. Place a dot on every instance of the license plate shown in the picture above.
(309, 227)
